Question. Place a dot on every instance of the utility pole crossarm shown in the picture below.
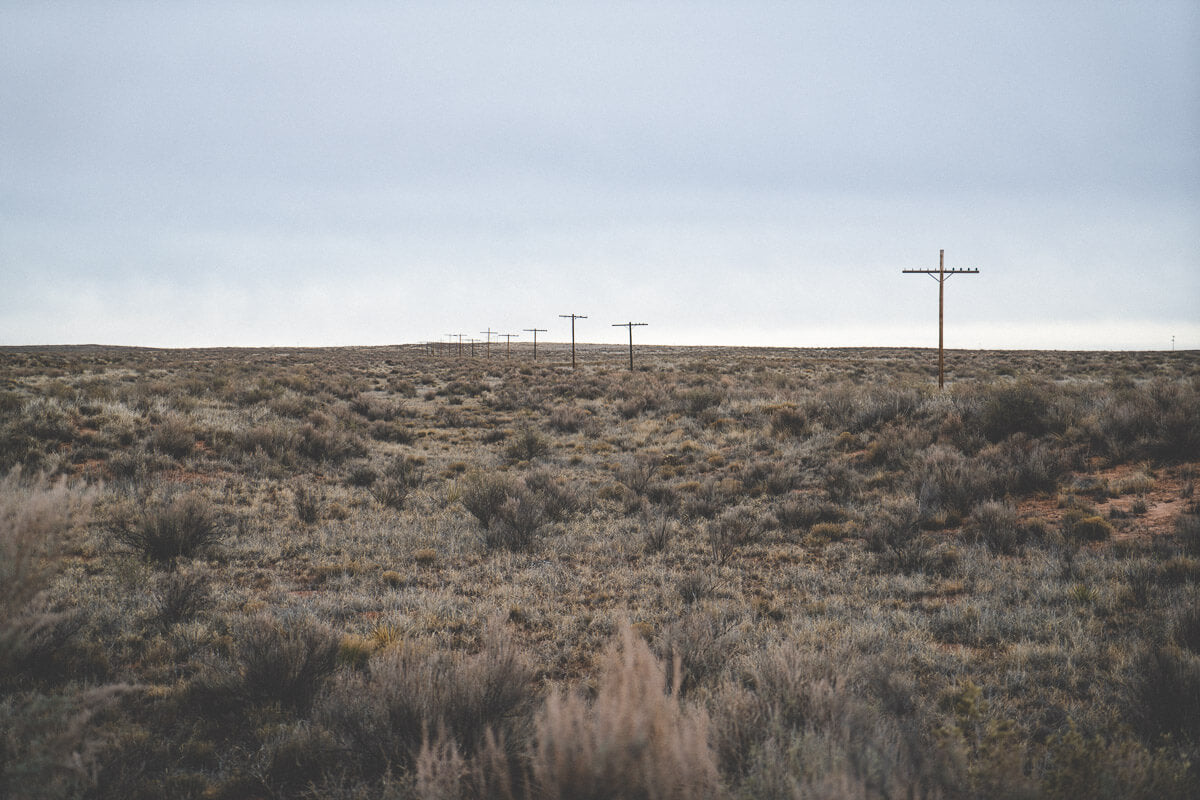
(971, 270)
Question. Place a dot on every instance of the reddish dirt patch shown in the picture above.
(1164, 501)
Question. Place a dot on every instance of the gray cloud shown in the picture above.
(757, 165)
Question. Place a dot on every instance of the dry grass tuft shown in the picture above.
(634, 740)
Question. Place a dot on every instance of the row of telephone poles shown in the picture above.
(448, 345)
(941, 275)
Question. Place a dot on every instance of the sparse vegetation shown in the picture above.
(373, 572)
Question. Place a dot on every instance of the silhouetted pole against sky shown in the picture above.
(460, 338)
(535, 332)
(489, 333)
(573, 317)
(940, 275)
(508, 337)
(449, 343)
(631, 326)
(472, 343)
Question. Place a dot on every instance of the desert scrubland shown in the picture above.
(737, 573)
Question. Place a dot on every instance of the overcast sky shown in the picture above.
(192, 174)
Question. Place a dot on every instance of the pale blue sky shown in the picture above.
(181, 174)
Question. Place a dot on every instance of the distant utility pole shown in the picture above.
(508, 337)
(631, 326)
(536, 331)
(940, 275)
(490, 333)
(472, 343)
(573, 317)
(449, 345)
(460, 338)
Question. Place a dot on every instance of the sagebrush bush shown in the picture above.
(517, 523)
(527, 445)
(1016, 408)
(173, 437)
(1168, 696)
(1187, 529)
(569, 418)
(995, 524)
(401, 476)
(285, 660)
(411, 694)
(181, 596)
(732, 530)
(165, 531)
(482, 495)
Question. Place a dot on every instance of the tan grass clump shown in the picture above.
(634, 740)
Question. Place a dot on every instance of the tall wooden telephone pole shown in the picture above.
(631, 326)
(940, 275)
(573, 317)
(489, 333)
(535, 332)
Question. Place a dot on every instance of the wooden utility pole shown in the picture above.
(508, 337)
(489, 333)
(472, 342)
(573, 317)
(460, 338)
(631, 326)
(940, 275)
(449, 343)
(535, 332)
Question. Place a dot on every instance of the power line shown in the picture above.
(940, 275)
(631, 326)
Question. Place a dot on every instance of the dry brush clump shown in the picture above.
(635, 739)
(165, 530)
